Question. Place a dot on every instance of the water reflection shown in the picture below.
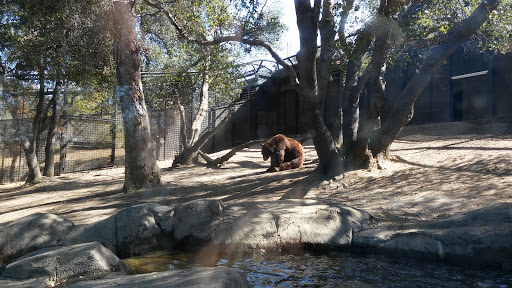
(334, 269)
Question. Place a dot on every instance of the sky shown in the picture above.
(290, 44)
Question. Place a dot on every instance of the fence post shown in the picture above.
(19, 162)
(114, 131)
(3, 158)
(63, 147)
(165, 128)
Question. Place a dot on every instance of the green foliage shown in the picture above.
(497, 32)
(183, 61)
(434, 18)
(95, 100)
(68, 40)
(423, 24)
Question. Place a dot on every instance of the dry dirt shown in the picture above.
(434, 171)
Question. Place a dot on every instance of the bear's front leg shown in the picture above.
(272, 169)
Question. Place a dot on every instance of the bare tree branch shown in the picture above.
(223, 159)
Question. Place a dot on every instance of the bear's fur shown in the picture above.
(284, 153)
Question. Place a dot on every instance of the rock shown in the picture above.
(132, 231)
(269, 225)
(245, 226)
(373, 237)
(137, 231)
(416, 243)
(30, 283)
(480, 237)
(219, 277)
(315, 222)
(62, 264)
(104, 232)
(192, 218)
(31, 233)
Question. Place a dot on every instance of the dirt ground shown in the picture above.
(434, 171)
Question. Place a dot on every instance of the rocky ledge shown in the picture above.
(43, 250)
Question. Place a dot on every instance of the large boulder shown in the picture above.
(103, 232)
(480, 237)
(52, 266)
(268, 225)
(137, 231)
(31, 233)
(132, 231)
(218, 277)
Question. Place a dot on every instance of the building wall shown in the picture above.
(468, 86)
(502, 84)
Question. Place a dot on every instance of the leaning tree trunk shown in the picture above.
(190, 152)
(203, 102)
(49, 162)
(141, 169)
(404, 108)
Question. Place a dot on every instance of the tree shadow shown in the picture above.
(302, 187)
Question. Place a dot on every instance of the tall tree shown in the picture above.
(141, 169)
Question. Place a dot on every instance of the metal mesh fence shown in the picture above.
(12, 154)
(89, 142)
(82, 143)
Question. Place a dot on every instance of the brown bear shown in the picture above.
(285, 153)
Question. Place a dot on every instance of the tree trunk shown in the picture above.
(189, 154)
(403, 109)
(63, 136)
(330, 161)
(357, 155)
(353, 87)
(141, 169)
(29, 145)
(49, 162)
(34, 173)
(203, 103)
(327, 34)
(219, 161)
(307, 22)
(183, 126)
(15, 153)
(336, 130)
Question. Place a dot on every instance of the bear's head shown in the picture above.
(266, 151)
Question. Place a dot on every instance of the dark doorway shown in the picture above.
(470, 98)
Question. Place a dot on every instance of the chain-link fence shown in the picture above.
(89, 142)
(82, 143)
